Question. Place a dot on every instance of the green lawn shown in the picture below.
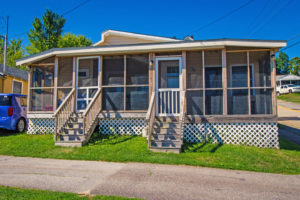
(134, 149)
(9, 193)
(294, 97)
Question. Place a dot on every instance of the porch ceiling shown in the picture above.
(152, 47)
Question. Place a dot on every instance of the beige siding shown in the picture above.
(119, 40)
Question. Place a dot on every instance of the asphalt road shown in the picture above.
(147, 181)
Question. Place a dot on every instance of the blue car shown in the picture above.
(13, 110)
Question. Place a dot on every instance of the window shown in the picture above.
(5, 100)
(237, 100)
(83, 73)
(214, 102)
(173, 77)
(213, 77)
(17, 87)
(131, 93)
(42, 88)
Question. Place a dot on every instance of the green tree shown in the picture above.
(294, 65)
(72, 40)
(15, 51)
(282, 63)
(45, 34)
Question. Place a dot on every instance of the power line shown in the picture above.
(294, 37)
(290, 46)
(222, 17)
(259, 14)
(275, 13)
(76, 7)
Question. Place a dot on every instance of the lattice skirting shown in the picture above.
(41, 126)
(124, 126)
(253, 134)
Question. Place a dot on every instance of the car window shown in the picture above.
(23, 101)
(5, 100)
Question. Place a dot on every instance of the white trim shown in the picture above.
(133, 35)
(178, 46)
(12, 86)
(157, 89)
(87, 88)
(242, 65)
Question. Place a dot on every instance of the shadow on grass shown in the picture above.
(287, 145)
(98, 138)
(4, 133)
(200, 147)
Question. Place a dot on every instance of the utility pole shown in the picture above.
(5, 46)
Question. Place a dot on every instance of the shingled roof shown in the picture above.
(15, 72)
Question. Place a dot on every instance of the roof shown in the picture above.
(15, 72)
(152, 38)
(287, 77)
(150, 47)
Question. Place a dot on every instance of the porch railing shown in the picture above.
(64, 111)
(168, 101)
(182, 113)
(150, 117)
(91, 114)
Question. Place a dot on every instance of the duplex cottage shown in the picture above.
(170, 90)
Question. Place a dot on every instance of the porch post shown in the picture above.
(55, 83)
(29, 88)
(183, 76)
(74, 80)
(273, 82)
(249, 82)
(224, 80)
(151, 74)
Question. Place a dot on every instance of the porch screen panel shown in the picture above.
(261, 101)
(214, 102)
(237, 69)
(113, 70)
(113, 98)
(262, 68)
(194, 69)
(64, 79)
(137, 69)
(137, 98)
(237, 101)
(42, 88)
(42, 99)
(194, 102)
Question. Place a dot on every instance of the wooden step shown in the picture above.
(71, 137)
(166, 130)
(72, 131)
(167, 119)
(74, 125)
(171, 137)
(165, 125)
(75, 120)
(68, 143)
(165, 150)
(79, 115)
(166, 143)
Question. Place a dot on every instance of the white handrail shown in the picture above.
(150, 106)
(64, 102)
(91, 103)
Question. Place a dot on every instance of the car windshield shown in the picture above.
(292, 85)
(5, 100)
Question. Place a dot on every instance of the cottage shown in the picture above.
(167, 89)
(13, 80)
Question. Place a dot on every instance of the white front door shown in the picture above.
(86, 81)
(168, 86)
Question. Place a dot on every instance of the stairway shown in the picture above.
(166, 135)
(72, 134)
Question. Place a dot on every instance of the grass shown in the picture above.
(134, 149)
(9, 193)
(293, 97)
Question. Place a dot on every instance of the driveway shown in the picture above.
(147, 181)
(289, 115)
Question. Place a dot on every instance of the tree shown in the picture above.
(15, 51)
(45, 33)
(294, 66)
(72, 40)
(282, 63)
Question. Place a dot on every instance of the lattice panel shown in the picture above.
(41, 126)
(124, 126)
(253, 134)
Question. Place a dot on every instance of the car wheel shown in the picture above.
(21, 125)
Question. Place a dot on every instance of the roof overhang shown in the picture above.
(133, 35)
(157, 47)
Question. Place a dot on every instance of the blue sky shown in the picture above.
(260, 19)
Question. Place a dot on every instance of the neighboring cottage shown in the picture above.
(14, 80)
(287, 79)
(171, 90)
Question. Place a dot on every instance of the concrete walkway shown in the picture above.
(147, 181)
